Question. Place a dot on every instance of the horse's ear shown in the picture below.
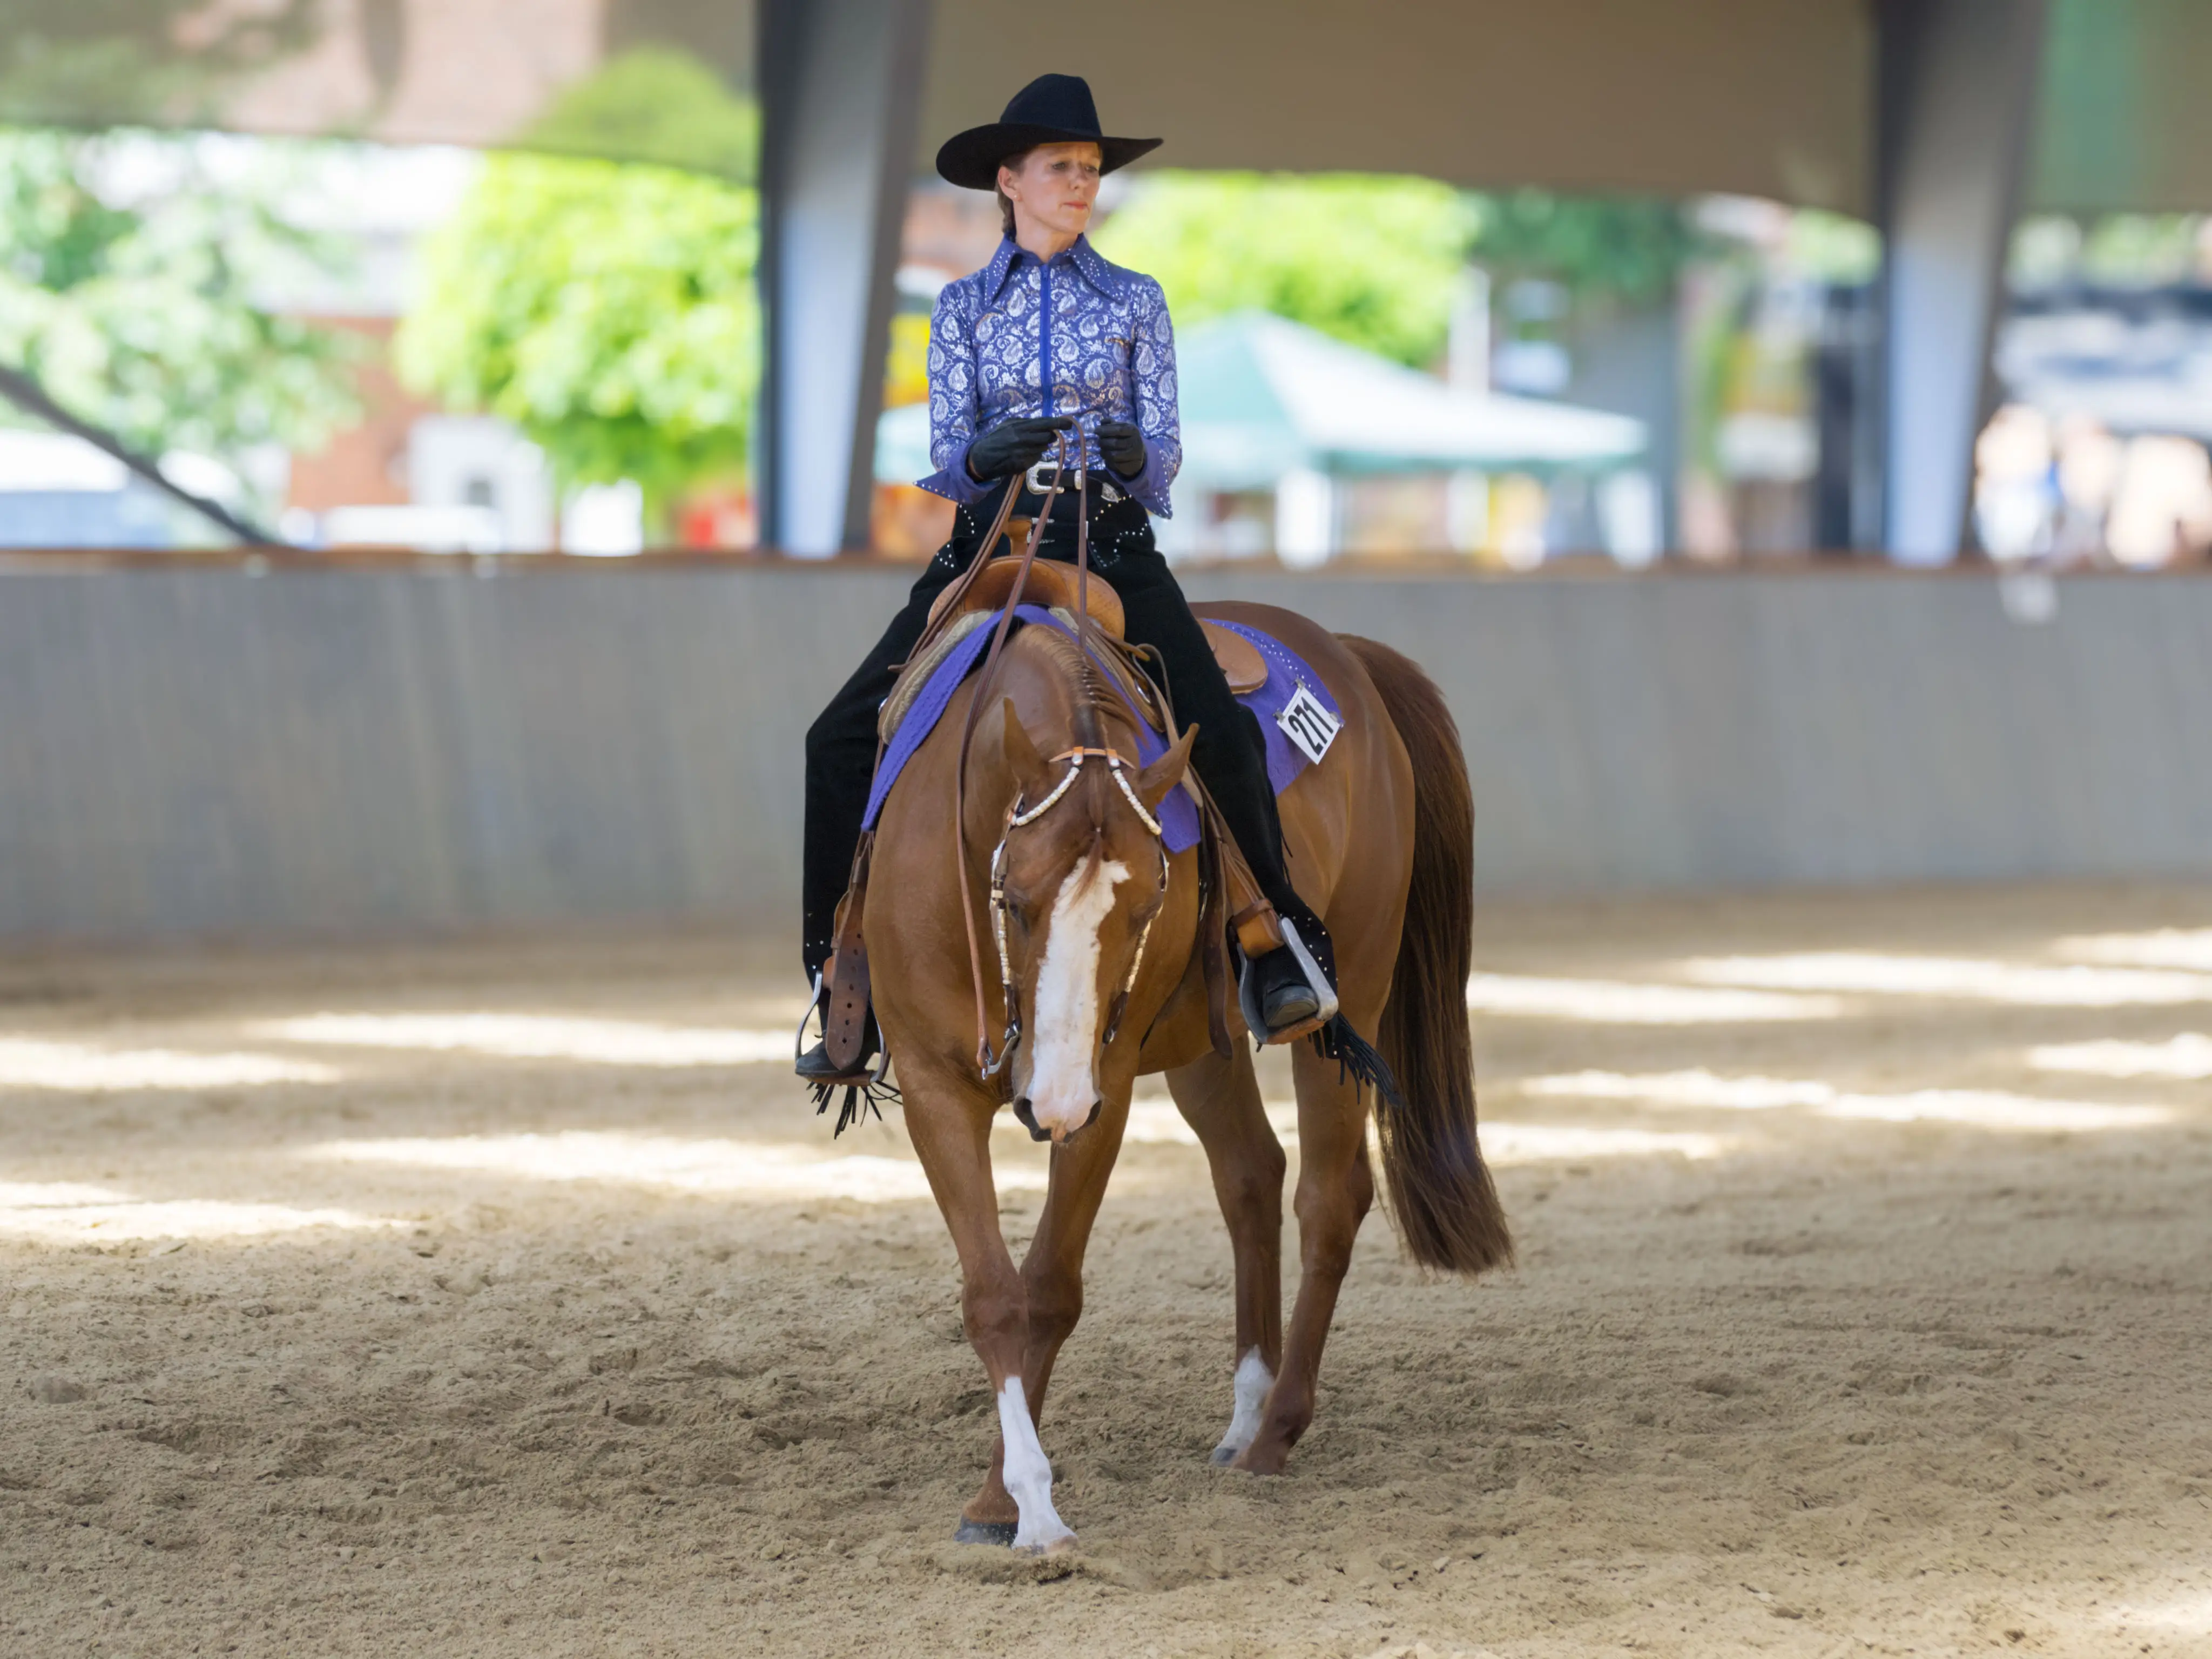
(1163, 774)
(1029, 766)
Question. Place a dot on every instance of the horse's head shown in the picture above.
(1078, 883)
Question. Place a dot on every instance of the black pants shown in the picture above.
(1228, 753)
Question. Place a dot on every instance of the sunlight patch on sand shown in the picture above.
(1158, 1122)
(2167, 947)
(705, 1166)
(1623, 1002)
(1152, 1122)
(539, 1037)
(2187, 1056)
(1699, 1089)
(1552, 1143)
(68, 1212)
(46, 1194)
(1980, 1108)
(1955, 977)
(1502, 1143)
(76, 1068)
(2192, 1613)
(1991, 1110)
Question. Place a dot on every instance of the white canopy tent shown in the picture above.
(1263, 395)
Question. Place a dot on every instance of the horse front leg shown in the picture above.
(949, 1121)
(1336, 1186)
(1052, 1284)
(1219, 1098)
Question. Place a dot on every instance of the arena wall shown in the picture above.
(419, 751)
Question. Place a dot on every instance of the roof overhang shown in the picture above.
(1747, 96)
(1771, 98)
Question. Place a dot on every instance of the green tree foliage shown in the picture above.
(128, 280)
(2120, 250)
(1373, 261)
(1377, 261)
(606, 309)
(1623, 249)
(656, 104)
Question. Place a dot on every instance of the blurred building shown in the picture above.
(2099, 452)
(1938, 121)
(409, 473)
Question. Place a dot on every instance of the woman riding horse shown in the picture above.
(1047, 339)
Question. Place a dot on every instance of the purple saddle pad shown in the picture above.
(1286, 672)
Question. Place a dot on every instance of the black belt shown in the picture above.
(1029, 503)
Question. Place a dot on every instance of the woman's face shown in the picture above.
(1054, 189)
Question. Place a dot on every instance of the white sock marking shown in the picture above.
(1254, 1380)
(1062, 1090)
(1028, 1473)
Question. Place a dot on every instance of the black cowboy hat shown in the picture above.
(1053, 109)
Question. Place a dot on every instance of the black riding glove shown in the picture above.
(1016, 446)
(1122, 446)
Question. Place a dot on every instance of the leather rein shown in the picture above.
(1018, 817)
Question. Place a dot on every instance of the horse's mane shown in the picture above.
(1093, 701)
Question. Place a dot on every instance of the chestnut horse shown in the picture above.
(1102, 952)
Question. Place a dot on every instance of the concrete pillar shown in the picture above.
(1957, 84)
(841, 92)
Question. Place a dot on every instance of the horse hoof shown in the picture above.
(1252, 1461)
(1000, 1533)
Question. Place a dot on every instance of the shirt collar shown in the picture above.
(1085, 260)
(995, 273)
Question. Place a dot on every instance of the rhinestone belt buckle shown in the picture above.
(1037, 486)
(1040, 476)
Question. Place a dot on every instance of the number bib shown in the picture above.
(1308, 724)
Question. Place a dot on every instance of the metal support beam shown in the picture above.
(1957, 85)
(840, 89)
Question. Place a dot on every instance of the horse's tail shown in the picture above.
(1439, 1188)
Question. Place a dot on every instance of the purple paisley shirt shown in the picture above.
(1109, 354)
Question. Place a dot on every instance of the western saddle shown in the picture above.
(1056, 587)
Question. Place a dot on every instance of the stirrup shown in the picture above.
(1356, 1060)
(1247, 990)
(865, 1090)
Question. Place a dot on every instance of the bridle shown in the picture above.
(988, 1063)
(1018, 817)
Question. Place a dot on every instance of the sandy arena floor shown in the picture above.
(511, 1302)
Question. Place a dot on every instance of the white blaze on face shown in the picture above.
(1062, 1089)
(1028, 1473)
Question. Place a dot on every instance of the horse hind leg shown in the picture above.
(1219, 1098)
(1336, 1187)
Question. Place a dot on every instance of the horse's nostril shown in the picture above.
(1026, 1116)
(1097, 1106)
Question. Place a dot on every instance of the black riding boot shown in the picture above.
(1283, 994)
(840, 760)
(1231, 758)
(815, 1065)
